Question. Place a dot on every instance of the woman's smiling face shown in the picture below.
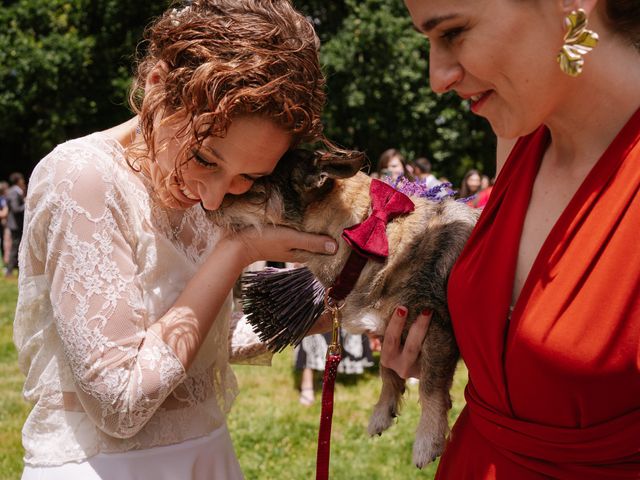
(225, 165)
(498, 54)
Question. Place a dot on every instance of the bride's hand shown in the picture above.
(278, 244)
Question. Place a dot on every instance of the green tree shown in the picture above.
(379, 96)
(65, 67)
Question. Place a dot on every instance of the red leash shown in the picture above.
(368, 241)
(324, 435)
(334, 355)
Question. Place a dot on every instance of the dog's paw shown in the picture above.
(381, 419)
(427, 448)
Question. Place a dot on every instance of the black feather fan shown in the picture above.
(282, 304)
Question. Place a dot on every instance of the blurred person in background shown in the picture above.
(423, 172)
(483, 195)
(311, 353)
(15, 218)
(392, 164)
(485, 182)
(470, 185)
(5, 243)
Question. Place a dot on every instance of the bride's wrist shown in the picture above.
(235, 250)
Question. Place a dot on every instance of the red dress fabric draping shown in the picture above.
(554, 388)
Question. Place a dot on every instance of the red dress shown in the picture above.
(554, 391)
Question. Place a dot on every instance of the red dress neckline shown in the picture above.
(557, 383)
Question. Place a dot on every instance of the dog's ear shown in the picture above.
(339, 165)
(312, 172)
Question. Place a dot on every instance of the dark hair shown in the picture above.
(464, 189)
(227, 58)
(15, 178)
(623, 17)
(423, 164)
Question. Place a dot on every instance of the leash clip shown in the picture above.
(334, 307)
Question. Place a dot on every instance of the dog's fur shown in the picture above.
(325, 194)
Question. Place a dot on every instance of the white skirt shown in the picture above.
(206, 458)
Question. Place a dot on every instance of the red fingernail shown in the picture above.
(426, 312)
(401, 311)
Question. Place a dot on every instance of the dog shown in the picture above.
(325, 193)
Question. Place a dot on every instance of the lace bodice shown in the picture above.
(101, 260)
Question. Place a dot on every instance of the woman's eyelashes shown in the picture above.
(451, 34)
(249, 178)
(204, 162)
(214, 166)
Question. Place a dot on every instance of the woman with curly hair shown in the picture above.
(122, 321)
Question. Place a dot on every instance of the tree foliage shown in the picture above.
(65, 67)
(64, 71)
(379, 96)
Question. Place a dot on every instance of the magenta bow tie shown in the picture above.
(369, 238)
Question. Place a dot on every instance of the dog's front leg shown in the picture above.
(388, 405)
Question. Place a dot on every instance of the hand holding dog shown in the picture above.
(278, 244)
(403, 359)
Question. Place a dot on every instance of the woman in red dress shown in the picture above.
(545, 298)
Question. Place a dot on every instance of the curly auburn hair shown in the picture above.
(227, 58)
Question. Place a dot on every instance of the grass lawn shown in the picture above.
(275, 437)
(13, 409)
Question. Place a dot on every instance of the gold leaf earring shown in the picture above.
(578, 41)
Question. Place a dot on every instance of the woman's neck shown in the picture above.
(125, 133)
(598, 107)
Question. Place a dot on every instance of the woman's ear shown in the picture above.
(569, 6)
(157, 75)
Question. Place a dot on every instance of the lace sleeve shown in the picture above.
(245, 347)
(122, 372)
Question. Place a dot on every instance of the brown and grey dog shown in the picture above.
(325, 194)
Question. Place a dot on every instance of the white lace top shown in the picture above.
(100, 261)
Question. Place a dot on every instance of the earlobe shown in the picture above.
(569, 6)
